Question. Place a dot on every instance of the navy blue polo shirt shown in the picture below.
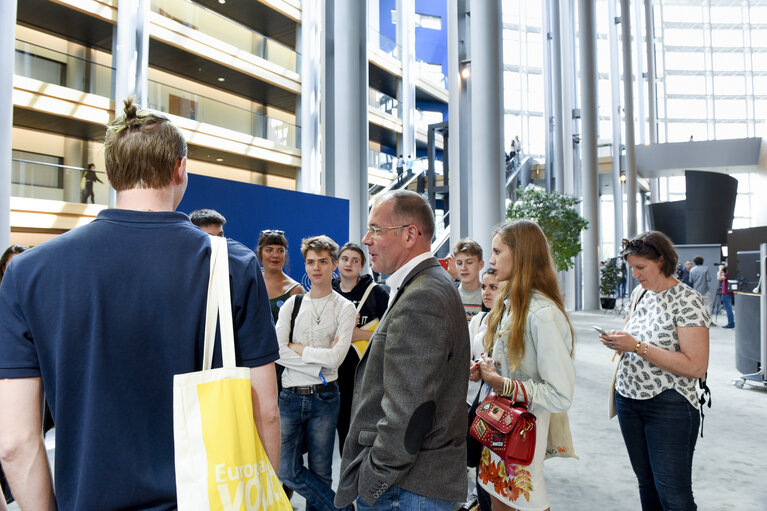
(106, 314)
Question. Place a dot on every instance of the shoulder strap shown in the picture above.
(365, 296)
(219, 306)
(296, 307)
(479, 323)
(291, 288)
(644, 292)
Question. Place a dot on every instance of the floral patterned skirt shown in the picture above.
(521, 487)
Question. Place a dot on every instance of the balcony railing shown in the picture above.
(432, 73)
(217, 113)
(381, 161)
(44, 180)
(380, 41)
(383, 102)
(51, 66)
(224, 29)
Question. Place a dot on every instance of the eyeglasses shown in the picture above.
(272, 232)
(376, 231)
(636, 244)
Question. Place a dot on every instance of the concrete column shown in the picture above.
(640, 110)
(615, 97)
(487, 161)
(557, 90)
(406, 89)
(631, 167)
(7, 58)
(459, 115)
(310, 47)
(328, 95)
(350, 179)
(588, 58)
(548, 100)
(652, 102)
(131, 56)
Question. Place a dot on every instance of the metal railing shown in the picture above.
(377, 40)
(51, 181)
(229, 31)
(64, 69)
(383, 102)
(381, 161)
(186, 104)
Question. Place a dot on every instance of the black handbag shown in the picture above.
(473, 446)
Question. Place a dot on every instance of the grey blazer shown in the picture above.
(409, 416)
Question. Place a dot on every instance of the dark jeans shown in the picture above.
(308, 424)
(660, 435)
(727, 302)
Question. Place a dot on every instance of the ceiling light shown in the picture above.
(221, 79)
(219, 159)
(222, 1)
(466, 72)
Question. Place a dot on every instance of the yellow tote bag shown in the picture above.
(220, 461)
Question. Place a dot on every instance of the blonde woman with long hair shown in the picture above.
(529, 341)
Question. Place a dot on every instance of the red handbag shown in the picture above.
(505, 428)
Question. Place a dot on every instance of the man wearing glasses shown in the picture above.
(406, 444)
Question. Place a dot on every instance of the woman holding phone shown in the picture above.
(530, 343)
(664, 348)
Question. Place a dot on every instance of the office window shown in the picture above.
(428, 21)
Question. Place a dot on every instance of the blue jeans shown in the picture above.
(660, 435)
(308, 423)
(398, 498)
(727, 302)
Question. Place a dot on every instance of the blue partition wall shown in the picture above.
(249, 209)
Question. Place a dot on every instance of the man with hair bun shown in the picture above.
(102, 318)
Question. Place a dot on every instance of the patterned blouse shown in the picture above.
(654, 320)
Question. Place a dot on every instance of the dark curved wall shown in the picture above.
(710, 206)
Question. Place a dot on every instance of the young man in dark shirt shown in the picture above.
(102, 317)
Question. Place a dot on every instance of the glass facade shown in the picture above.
(711, 82)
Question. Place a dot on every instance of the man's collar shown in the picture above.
(396, 279)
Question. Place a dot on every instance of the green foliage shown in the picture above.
(609, 277)
(558, 218)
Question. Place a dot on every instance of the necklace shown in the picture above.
(318, 317)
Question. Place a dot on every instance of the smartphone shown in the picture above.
(599, 329)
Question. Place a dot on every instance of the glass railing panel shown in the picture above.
(383, 102)
(383, 43)
(74, 72)
(224, 29)
(381, 161)
(217, 113)
(43, 180)
(432, 73)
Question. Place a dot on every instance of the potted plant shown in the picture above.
(609, 277)
(555, 213)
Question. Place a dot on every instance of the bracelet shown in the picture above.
(636, 350)
(516, 391)
(506, 390)
(646, 347)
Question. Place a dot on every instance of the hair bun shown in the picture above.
(130, 109)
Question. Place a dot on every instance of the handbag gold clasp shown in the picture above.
(523, 431)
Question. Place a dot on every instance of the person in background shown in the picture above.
(371, 301)
(209, 220)
(727, 295)
(101, 318)
(468, 263)
(664, 347)
(9, 254)
(477, 329)
(699, 281)
(86, 190)
(272, 251)
(311, 354)
(530, 340)
(400, 168)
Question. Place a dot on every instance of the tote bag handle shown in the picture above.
(219, 306)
